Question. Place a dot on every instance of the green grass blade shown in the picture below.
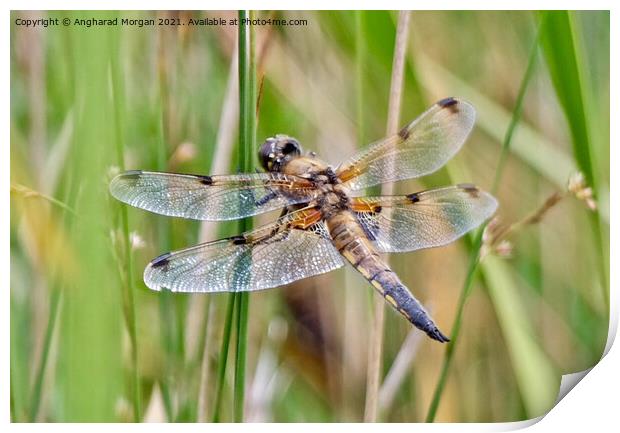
(247, 134)
(223, 359)
(456, 327)
(567, 66)
(197, 408)
(19, 379)
(90, 352)
(518, 110)
(562, 59)
(536, 378)
(240, 360)
(128, 288)
(167, 310)
(49, 332)
(360, 58)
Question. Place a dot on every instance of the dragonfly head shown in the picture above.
(277, 151)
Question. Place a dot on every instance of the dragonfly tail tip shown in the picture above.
(436, 334)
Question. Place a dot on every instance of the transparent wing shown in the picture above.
(214, 198)
(419, 148)
(424, 219)
(273, 255)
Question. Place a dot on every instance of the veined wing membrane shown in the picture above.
(424, 219)
(213, 198)
(419, 148)
(294, 247)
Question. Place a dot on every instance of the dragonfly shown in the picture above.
(324, 222)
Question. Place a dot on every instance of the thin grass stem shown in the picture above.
(241, 355)
(238, 302)
(375, 349)
(477, 242)
(516, 114)
(26, 192)
(49, 333)
(223, 360)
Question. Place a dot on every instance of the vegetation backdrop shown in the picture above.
(89, 342)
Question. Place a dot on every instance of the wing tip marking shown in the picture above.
(205, 180)
(161, 260)
(477, 193)
(132, 174)
(437, 335)
(449, 103)
(239, 240)
(470, 189)
(157, 263)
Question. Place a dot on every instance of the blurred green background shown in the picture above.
(87, 102)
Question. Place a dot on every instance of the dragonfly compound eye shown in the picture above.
(291, 147)
(268, 153)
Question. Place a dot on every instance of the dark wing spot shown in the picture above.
(469, 188)
(132, 174)
(404, 133)
(414, 197)
(205, 180)
(238, 240)
(160, 261)
(377, 209)
(449, 103)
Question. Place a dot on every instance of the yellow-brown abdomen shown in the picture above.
(351, 241)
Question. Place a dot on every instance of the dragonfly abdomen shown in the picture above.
(387, 283)
(352, 243)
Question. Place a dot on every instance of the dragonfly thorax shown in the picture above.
(332, 200)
